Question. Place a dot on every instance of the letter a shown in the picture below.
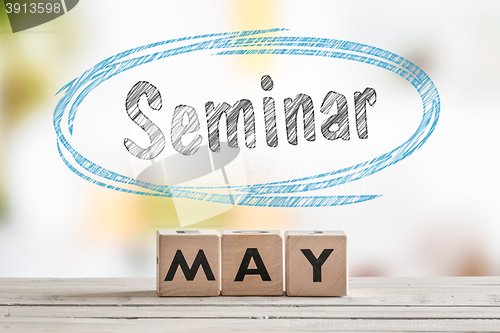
(260, 270)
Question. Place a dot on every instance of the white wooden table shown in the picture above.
(456, 304)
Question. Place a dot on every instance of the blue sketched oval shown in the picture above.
(289, 193)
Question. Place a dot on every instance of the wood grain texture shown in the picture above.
(316, 263)
(457, 304)
(268, 255)
(180, 253)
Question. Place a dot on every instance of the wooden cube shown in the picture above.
(187, 263)
(252, 262)
(316, 263)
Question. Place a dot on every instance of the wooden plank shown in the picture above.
(484, 292)
(17, 286)
(245, 325)
(261, 312)
(131, 305)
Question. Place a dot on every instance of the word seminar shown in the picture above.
(185, 120)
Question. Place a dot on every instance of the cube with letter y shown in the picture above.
(252, 262)
(316, 263)
(187, 263)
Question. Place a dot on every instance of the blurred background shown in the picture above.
(438, 214)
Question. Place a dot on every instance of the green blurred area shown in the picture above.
(4, 20)
(24, 86)
(4, 27)
(27, 82)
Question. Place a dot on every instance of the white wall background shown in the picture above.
(438, 213)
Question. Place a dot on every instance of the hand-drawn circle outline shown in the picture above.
(245, 42)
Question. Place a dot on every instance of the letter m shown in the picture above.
(232, 114)
(190, 273)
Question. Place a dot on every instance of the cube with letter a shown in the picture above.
(252, 262)
(187, 263)
(316, 263)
